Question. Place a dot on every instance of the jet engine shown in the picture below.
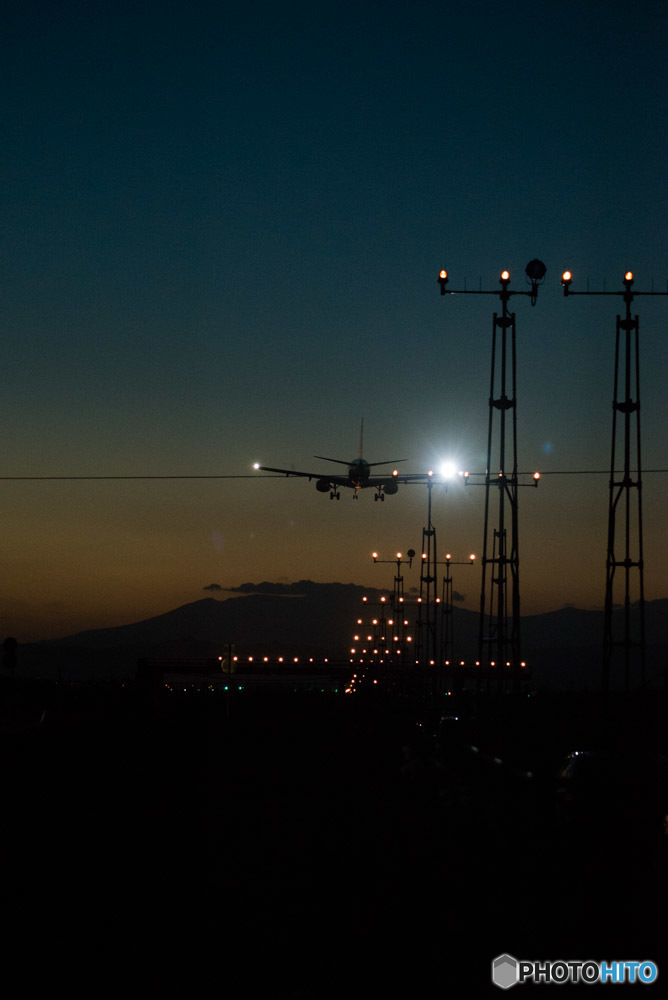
(391, 488)
(323, 486)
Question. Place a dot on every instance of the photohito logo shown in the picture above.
(507, 971)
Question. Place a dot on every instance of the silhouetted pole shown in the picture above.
(427, 625)
(622, 491)
(499, 631)
(447, 631)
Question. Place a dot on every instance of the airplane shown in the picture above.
(358, 478)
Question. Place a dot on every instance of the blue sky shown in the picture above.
(222, 227)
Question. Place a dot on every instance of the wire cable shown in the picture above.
(549, 472)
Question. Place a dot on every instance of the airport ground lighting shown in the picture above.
(623, 491)
(499, 629)
(398, 624)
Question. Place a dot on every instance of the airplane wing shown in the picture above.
(413, 477)
(339, 480)
(375, 482)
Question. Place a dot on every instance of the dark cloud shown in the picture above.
(212, 586)
(298, 589)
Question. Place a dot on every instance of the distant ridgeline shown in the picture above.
(310, 623)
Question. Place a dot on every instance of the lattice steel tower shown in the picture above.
(624, 555)
(427, 650)
(499, 630)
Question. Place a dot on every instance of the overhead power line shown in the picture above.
(549, 472)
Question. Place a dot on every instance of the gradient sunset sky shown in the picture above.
(222, 229)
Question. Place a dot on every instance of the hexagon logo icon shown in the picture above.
(504, 971)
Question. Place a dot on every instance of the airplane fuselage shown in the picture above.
(358, 473)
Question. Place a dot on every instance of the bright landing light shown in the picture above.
(256, 465)
(448, 470)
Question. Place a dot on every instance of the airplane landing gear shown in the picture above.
(335, 495)
(379, 496)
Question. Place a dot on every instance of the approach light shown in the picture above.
(374, 556)
(395, 472)
(448, 470)
(430, 472)
(472, 557)
(443, 280)
(411, 553)
(536, 477)
(628, 278)
(505, 277)
(398, 555)
(566, 279)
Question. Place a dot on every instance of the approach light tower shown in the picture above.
(624, 490)
(426, 627)
(499, 632)
(447, 631)
(400, 624)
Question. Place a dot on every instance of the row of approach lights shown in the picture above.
(535, 272)
(447, 473)
(411, 554)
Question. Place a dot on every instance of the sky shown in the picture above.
(222, 230)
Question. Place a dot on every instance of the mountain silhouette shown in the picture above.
(562, 648)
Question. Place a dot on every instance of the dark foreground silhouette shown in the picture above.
(300, 845)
